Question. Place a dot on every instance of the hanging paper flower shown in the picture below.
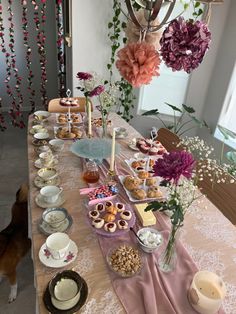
(184, 44)
(138, 63)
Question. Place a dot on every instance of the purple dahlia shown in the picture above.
(84, 76)
(97, 91)
(184, 44)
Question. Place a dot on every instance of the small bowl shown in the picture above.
(41, 115)
(65, 289)
(122, 272)
(57, 145)
(47, 173)
(54, 217)
(149, 248)
(41, 136)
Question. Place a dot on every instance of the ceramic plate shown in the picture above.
(162, 189)
(52, 309)
(46, 258)
(39, 165)
(34, 131)
(47, 230)
(41, 203)
(78, 136)
(40, 183)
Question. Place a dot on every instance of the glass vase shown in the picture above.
(104, 125)
(168, 259)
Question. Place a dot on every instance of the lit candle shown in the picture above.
(206, 292)
(89, 119)
(112, 163)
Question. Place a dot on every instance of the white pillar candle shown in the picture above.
(113, 144)
(89, 119)
(206, 292)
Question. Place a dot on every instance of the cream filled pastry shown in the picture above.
(120, 207)
(93, 214)
(108, 205)
(100, 207)
(126, 215)
(98, 223)
(122, 224)
(110, 226)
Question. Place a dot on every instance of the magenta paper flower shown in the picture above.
(84, 76)
(184, 44)
(174, 165)
(96, 91)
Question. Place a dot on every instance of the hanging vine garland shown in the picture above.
(2, 120)
(28, 55)
(60, 48)
(40, 21)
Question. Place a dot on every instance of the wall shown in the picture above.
(20, 53)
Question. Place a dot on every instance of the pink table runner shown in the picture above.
(152, 291)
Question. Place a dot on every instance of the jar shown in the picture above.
(91, 173)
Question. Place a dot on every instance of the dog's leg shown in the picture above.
(13, 293)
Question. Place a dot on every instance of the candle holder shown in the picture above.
(89, 136)
(111, 176)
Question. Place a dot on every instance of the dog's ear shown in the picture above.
(22, 193)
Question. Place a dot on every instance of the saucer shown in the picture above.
(39, 165)
(52, 309)
(47, 230)
(34, 131)
(41, 203)
(40, 183)
(37, 142)
(46, 258)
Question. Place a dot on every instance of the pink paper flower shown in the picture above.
(184, 44)
(174, 165)
(84, 76)
(96, 91)
(138, 63)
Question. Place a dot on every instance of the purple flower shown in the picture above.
(84, 76)
(184, 44)
(97, 91)
(175, 164)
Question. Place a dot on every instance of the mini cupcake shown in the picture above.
(126, 215)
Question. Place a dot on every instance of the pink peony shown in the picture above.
(138, 63)
(174, 165)
(84, 76)
(184, 44)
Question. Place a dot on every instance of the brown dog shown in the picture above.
(14, 242)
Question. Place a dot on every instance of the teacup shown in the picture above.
(57, 145)
(58, 244)
(50, 193)
(120, 132)
(43, 149)
(54, 217)
(41, 115)
(41, 136)
(45, 156)
(38, 128)
(47, 173)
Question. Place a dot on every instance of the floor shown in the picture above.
(13, 172)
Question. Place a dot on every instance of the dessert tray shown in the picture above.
(144, 190)
(141, 164)
(99, 214)
(46, 258)
(150, 147)
(64, 134)
(62, 118)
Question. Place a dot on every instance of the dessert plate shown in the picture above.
(39, 165)
(47, 230)
(41, 203)
(52, 309)
(46, 258)
(40, 183)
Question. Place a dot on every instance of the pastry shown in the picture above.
(110, 227)
(138, 194)
(135, 164)
(93, 214)
(100, 207)
(143, 174)
(108, 205)
(109, 217)
(98, 223)
(122, 224)
(69, 135)
(151, 163)
(126, 215)
(120, 207)
(151, 181)
(153, 151)
(154, 192)
(112, 210)
(131, 183)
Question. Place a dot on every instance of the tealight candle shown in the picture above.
(206, 292)
(112, 162)
(89, 119)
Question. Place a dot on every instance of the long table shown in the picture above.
(207, 235)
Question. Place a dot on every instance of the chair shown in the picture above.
(222, 195)
(54, 105)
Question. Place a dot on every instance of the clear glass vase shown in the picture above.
(104, 125)
(168, 259)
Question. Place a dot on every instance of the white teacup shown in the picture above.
(58, 244)
(43, 149)
(45, 156)
(57, 145)
(50, 193)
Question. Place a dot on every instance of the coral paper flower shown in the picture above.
(138, 63)
(84, 76)
(174, 165)
(184, 44)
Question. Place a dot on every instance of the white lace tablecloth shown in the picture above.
(207, 235)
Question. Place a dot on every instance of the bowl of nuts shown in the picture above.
(125, 260)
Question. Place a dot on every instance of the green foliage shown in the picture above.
(182, 123)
